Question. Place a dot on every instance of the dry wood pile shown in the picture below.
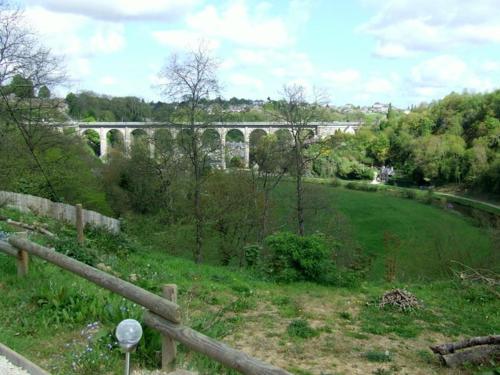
(400, 298)
(474, 350)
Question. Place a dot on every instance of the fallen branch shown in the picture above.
(444, 349)
(27, 226)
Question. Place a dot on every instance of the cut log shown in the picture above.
(476, 355)
(473, 341)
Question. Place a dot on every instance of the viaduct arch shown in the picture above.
(249, 130)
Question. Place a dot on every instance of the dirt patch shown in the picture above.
(339, 348)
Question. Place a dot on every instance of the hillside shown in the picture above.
(67, 323)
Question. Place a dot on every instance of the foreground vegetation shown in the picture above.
(302, 326)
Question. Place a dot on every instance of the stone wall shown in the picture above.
(58, 211)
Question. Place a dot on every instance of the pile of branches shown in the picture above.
(475, 350)
(401, 299)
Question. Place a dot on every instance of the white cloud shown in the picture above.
(342, 78)
(437, 76)
(80, 67)
(235, 23)
(107, 81)
(183, 39)
(68, 36)
(245, 80)
(288, 64)
(440, 71)
(490, 66)
(120, 10)
(403, 27)
(108, 39)
(378, 86)
(391, 50)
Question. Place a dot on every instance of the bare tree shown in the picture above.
(190, 81)
(272, 162)
(26, 67)
(294, 111)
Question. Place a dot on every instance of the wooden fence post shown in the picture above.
(79, 224)
(22, 263)
(168, 346)
(22, 260)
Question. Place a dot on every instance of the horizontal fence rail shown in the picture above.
(162, 315)
(212, 348)
(151, 301)
(58, 211)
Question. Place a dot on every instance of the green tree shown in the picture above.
(44, 92)
(21, 87)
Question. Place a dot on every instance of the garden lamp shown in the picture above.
(128, 333)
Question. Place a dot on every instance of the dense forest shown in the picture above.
(453, 140)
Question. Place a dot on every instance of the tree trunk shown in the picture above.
(299, 187)
(198, 214)
(265, 212)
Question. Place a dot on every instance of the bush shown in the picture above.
(70, 247)
(296, 258)
(410, 194)
(336, 182)
(252, 254)
(362, 186)
(237, 162)
(376, 356)
(301, 328)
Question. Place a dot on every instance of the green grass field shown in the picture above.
(430, 237)
(303, 327)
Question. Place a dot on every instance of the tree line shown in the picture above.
(454, 140)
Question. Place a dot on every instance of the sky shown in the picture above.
(356, 51)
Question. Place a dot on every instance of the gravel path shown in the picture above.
(7, 368)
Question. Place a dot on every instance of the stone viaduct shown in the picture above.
(246, 130)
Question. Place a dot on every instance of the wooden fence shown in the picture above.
(162, 313)
(58, 211)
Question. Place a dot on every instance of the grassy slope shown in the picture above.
(430, 236)
(350, 330)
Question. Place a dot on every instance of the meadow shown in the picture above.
(66, 324)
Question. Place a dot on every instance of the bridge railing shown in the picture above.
(162, 314)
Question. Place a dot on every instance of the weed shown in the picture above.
(377, 356)
(345, 315)
(301, 328)
(382, 371)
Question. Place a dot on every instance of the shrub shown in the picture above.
(352, 186)
(296, 258)
(410, 194)
(70, 247)
(252, 253)
(237, 162)
(301, 328)
(336, 182)
(362, 186)
(376, 356)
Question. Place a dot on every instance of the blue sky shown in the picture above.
(359, 51)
